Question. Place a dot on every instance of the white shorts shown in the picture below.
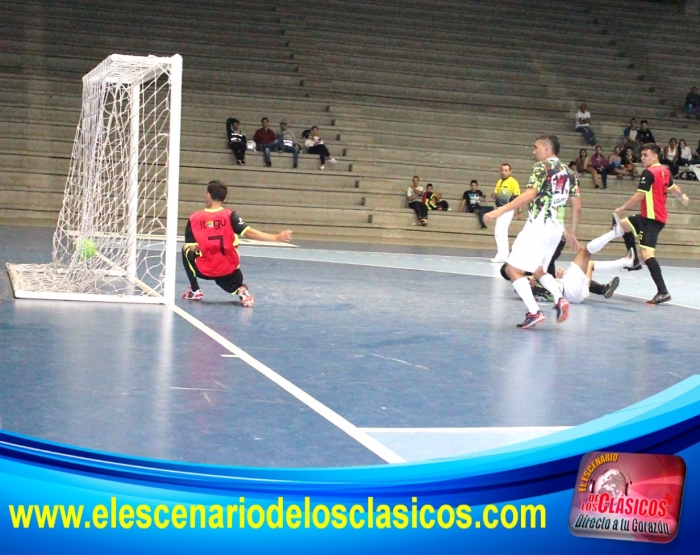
(575, 284)
(535, 245)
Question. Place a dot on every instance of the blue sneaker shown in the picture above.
(532, 319)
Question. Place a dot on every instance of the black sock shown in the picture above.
(655, 271)
(596, 288)
(630, 243)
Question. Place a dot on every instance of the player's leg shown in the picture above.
(189, 255)
(526, 256)
(233, 284)
(500, 233)
(551, 239)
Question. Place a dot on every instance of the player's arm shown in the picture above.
(190, 241)
(634, 200)
(575, 217)
(518, 202)
(645, 182)
(679, 194)
(281, 237)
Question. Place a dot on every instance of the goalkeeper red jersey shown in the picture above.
(216, 233)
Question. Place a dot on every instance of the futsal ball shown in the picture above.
(86, 249)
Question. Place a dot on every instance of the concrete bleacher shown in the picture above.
(443, 89)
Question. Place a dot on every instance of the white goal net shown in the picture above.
(117, 231)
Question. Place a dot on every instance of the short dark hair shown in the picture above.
(643, 121)
(415, 177)
(506, 164)
(217, 190)
(473, 182)
(553, 141)
(651, 146)
(429, 185)
(265, 119)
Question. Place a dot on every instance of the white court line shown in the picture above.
(333, 417)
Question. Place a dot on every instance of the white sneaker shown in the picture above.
(322, 167)
(629, 259)
(498, 260)
(332, 160)
(617, 225)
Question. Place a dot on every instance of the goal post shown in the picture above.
(116, 236)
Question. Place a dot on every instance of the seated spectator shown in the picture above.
(414, 196)
(314, 145)
(236, 140)
(614, 166)
(629, 163)
(685, 155)
(599, 162)
(287, 142)
(265, 140)
(583, 125)
(583, 165)
(472, 202)
(644, 135)
(434, 200)
(669, 156)
(692, 103)
(630, 134)
(696, 158)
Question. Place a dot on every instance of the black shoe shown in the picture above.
(238, 162)
(660, 298)
(609, 288)
(483, 226)
(637, 266)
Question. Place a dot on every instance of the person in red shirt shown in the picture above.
(265, 140)
(654, 184)
(211, 246)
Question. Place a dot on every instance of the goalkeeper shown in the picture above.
(211, 246)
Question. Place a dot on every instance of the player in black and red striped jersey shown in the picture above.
(211, 246)
(654, 184)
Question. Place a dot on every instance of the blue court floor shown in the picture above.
(352, 355)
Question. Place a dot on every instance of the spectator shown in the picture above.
(314, 145)
(630, 134)
(614, 166)
(629, 166)
(434, 200)
(265, 140)
(583, 125)
(685, 155)
(471, 202)
(583, 165)
(696, 156)
(287, 142)
(669, 156)
(236, 140)
(414, 196)
(599, 162)
(692, 103)
(644, 135)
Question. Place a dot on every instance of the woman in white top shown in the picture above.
(670, 156)
(685, 155)
(314, 145)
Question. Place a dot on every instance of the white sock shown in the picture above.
(550, 284)
(598, 243)
(522, 288)
(603, 265)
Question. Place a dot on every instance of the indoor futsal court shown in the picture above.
(353, 355)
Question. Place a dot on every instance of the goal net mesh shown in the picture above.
(110, 240)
